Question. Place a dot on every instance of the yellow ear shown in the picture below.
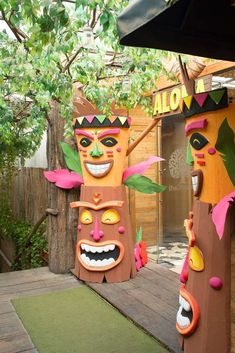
(196, 261)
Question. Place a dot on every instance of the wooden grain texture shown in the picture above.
(28, 196)
(62, 229)
(150, 300)
(144, 208)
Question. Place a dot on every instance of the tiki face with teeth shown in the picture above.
(104, 243)
(209, 171)
(102, 153)
(102, 143)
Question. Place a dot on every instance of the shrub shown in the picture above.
(28, 252)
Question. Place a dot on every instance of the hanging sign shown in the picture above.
(167, 102)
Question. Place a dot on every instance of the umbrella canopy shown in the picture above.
(198, 27)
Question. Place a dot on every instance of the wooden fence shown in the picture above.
(28, 201)
(29, 194)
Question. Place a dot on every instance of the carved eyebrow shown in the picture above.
(84, 133)
(200, 124)
(106, 204)
(109, 132)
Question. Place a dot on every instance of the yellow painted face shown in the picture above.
(102, 153)
(210, 179)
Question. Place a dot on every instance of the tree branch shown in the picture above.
(21, 111)
(48, 118)
(71, 60)
(93, 21)
(18, 33)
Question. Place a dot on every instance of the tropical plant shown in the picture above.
(48, 46)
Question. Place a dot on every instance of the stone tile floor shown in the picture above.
(170, 255)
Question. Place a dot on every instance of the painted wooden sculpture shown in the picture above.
(206, 316)
(105, 248)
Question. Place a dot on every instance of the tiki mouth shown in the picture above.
(197, 181)
(188, 314)
(98, 169)
(185, 314)
(99, 257)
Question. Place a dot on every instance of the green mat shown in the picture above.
(79, 321)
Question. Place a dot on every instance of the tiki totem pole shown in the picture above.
(206, 316)
(105, 248)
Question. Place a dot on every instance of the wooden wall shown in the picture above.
(144, 208)
(29, 195)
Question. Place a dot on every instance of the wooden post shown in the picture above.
(61, 229)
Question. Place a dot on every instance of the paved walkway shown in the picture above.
(150, 300)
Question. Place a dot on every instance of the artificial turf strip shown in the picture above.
(79, 321)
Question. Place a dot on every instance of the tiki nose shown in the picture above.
(97, 234)
(96, 153)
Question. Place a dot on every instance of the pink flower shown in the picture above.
(63, 178)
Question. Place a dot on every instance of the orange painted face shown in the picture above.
(102, 144)
(210, 179)
(102, 153)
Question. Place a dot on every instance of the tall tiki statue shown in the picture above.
(105, 248)
(206, 316)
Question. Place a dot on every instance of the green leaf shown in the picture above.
(139, 234)
(71, 158)
(189, 156)
(225, 144)
(143, 184)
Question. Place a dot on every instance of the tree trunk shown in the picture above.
(61, 229)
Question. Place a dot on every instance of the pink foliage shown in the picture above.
(63, 178)
(184, 272)
(220, 211)
(141, 167)
(138, 262)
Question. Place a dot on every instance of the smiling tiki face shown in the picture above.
(102, 153)
(102, 143)
(105, 248)
(210, 179)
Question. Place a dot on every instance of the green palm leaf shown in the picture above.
(72, 158)
(143, 184)
(225, 144)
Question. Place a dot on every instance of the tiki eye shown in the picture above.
(198, 141)
(110, 217)
(86, 217)
(85, 142)
(109, 141)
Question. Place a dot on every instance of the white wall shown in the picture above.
(39, 159)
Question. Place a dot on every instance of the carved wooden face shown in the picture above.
(210, 179)
(104, 242)
(102, 153)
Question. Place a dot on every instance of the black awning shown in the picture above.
(198, 27)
